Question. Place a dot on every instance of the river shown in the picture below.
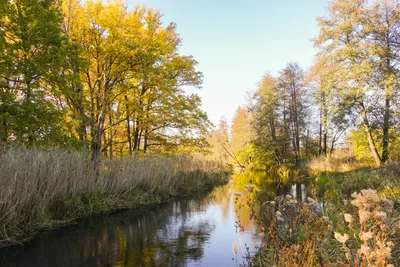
(212, 229)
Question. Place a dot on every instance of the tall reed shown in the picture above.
(342, 160)
(41, 188)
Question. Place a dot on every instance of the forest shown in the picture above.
(349, 97)
(96, 76)
(97, 115)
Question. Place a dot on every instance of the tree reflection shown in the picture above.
(163, 237)
(173, 234)
(264, 187)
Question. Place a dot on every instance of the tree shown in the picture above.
(340, 42)
(241, 138)
(291, 85)
(158, 112)
(132, 78)
(381, 32)
(334, 118)
(74, 64)
(362, 38)
(32, 50)
(220, 144)
(271, 135)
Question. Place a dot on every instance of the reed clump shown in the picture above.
(342, 160)
(45, 188)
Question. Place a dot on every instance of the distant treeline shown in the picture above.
(350, 93)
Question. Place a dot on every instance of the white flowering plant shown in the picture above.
(371, 232)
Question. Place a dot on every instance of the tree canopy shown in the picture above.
(95, 74)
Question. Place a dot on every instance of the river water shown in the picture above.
(211, 229)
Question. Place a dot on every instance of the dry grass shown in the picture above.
(296, 236)
(340, 161)
(39, 189)
(371, 232)
(371, 227)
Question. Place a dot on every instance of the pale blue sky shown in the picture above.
(237, 41)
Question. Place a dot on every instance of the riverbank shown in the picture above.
(359, 224)
(198, 230)
(42, 189)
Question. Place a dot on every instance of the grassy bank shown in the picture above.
(358, 226)
(337, 177)
(44, 189)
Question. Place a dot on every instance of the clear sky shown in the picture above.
(237, 41)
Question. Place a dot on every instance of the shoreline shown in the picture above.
(57, 225)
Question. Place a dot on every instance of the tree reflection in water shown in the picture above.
(181, 233)
(188, 232)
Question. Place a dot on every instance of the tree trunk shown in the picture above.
(146, 139)
(387, 115)
(272, 125)
(386, 126)
(325, 142)
(325, 120)
(273, 136)
(332, 147)
(128, 126)
(4, 130)
(286, 131)
(146, 131)
(139, 139)
(96, 141)
(370, 138)
(296, 123)
(307, 139)
(320, 132)
(104, 145)
(111, 134)
(136, 137)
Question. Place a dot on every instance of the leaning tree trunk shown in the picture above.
(370, 138)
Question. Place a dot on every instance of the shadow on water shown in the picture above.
(197, 231)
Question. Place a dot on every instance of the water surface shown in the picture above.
(211, 229)
(200, 231)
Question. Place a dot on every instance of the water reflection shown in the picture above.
(187, 232)
(264, 189)
(269, 187)
(201, 231)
